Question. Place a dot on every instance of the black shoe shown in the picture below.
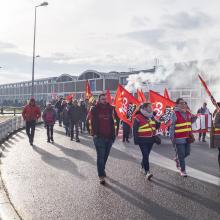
(102, 180)
(71, 139)
(127, 141)
(77, 140)
(31, 142)
(123, 140)
(52, 140)
(203, 140)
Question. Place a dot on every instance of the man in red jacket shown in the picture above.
(31, 113)
(103, 132)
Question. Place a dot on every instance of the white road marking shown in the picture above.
(165, 162)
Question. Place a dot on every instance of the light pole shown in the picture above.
(33, 63)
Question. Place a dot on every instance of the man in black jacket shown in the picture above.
(204, 111)
(74, 117)
(58, 107)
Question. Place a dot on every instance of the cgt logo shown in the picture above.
(124, 106)
(158, 108)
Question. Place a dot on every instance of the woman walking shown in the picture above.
(49, 117)
(144, 129)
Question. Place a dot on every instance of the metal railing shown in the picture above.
(9, 110)
(9, 126)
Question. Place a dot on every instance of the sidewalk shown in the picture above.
(59, 181)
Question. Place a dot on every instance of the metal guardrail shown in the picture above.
(9, 126)
(10, 110)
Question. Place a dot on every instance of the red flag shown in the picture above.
(69, 97)
(166, 94)
(159, 103)
(141, 97)
(209, 93)
(88, 93)
(125, 104)
(108, 97)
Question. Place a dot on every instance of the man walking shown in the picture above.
(58, 107)
(74, 117)
(103, 132)
(31, 113)
(204, 111)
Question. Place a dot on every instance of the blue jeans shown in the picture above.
(182, 151)
(145, 150)
(103, 147)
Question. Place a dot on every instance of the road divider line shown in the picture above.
(165, 162)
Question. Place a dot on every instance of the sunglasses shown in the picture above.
(183, 103)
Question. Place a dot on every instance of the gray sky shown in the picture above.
(105, 35)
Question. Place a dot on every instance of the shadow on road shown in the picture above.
(61, 163)
(210, 204)
(77, 154)
(138, 200)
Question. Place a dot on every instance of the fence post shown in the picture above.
(2, 110)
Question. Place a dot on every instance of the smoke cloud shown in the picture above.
(182, 76)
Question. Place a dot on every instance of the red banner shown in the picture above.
(69, 97)
(159, 103)
(88, 93)
(141, 97)
(125, 105)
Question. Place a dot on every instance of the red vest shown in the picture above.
(216, 131)
(183, 126)
(147, 127)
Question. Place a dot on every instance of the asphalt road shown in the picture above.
(59, 181)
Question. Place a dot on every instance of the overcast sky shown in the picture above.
(105, 35)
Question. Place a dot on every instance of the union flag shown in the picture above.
(141, 97)
(125, 105)
(159, 103)
(88, 93)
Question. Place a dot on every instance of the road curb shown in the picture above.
(7, 211)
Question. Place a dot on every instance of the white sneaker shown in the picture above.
(183, 173)
(149, 175)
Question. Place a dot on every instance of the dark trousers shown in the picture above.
(126, 132)
(202, 134)
(182, 150)
(145, 150)
(219, 157)
(74, 124)
(50, 132)
(82, 125)
(103, 147)
(60, 118)
(30, 129)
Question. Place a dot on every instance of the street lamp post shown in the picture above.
(33, 63)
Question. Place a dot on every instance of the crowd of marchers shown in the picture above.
(99, 119)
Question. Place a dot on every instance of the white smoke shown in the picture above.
(182, 76)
